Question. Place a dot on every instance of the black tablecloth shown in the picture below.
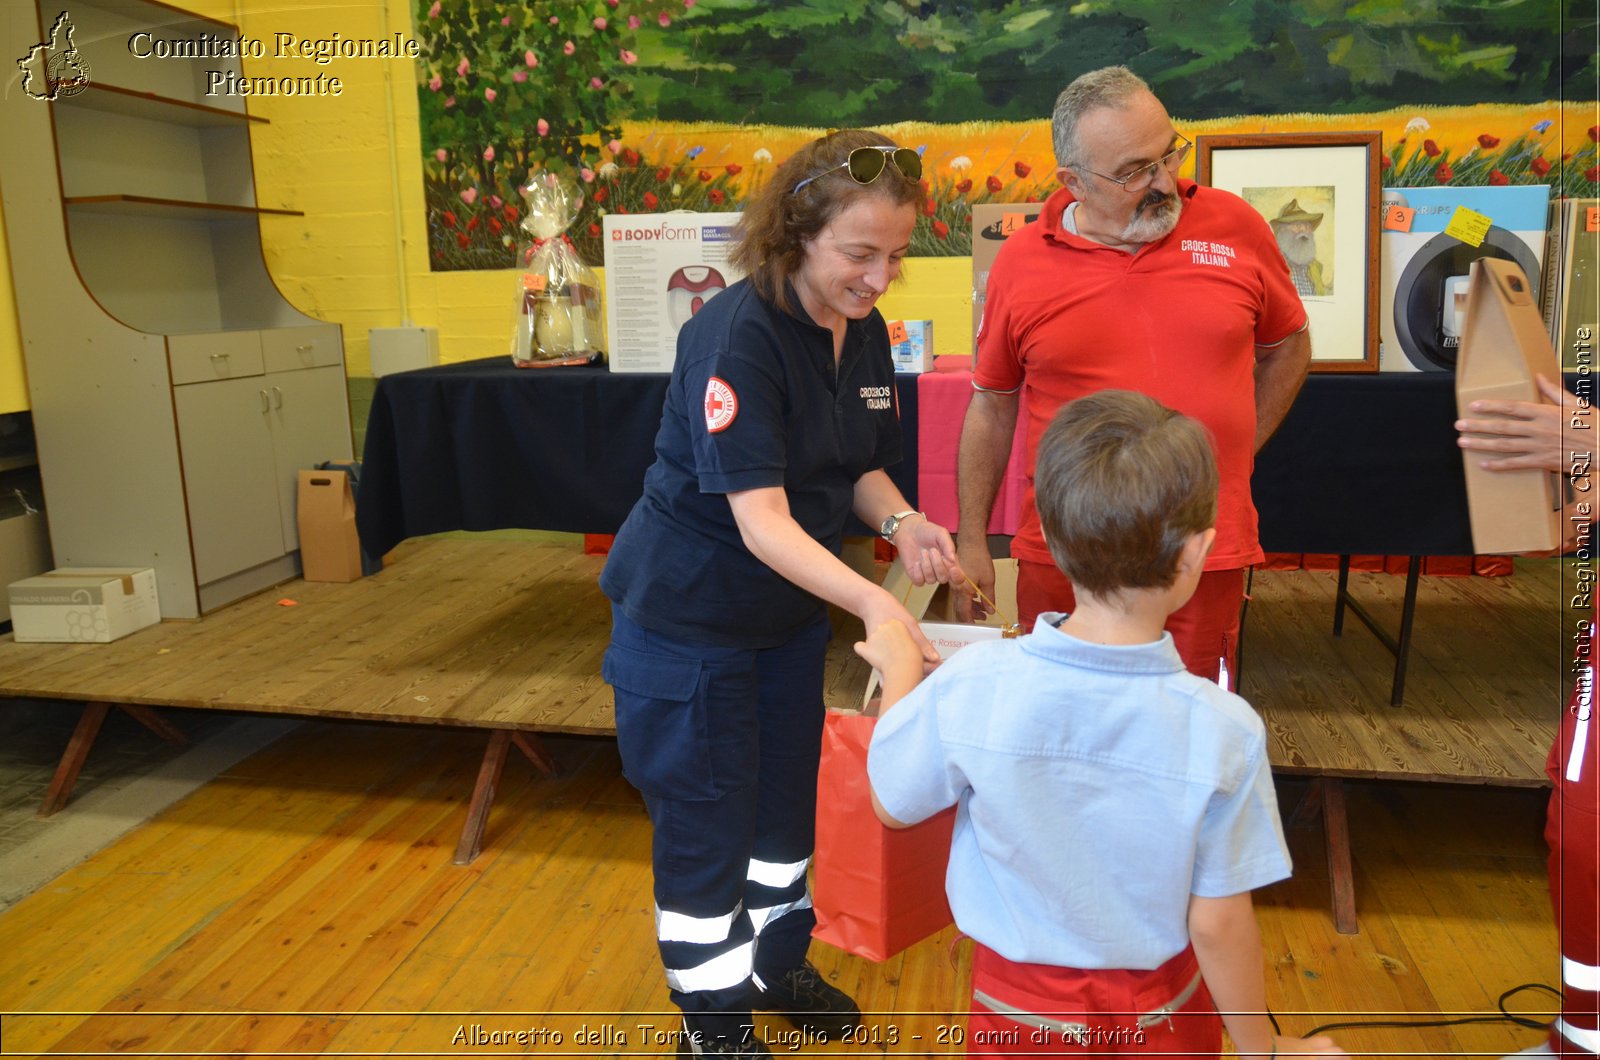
(1362, 463)
(1366, 464)
(483, 445)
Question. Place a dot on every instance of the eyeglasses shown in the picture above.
(866, 164)
(1144, 176)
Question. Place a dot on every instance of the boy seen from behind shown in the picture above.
(1114, 810)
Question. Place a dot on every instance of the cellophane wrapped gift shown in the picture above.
(558, 317)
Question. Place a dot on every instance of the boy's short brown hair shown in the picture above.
(1121, 482)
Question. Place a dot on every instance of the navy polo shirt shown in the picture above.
(753, 402)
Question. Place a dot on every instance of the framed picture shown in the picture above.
(1320, 194)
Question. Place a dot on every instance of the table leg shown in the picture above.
(534, 751)
(72, 759)
(1408, 612)
(1325, 798)
(1340, 596)
(155, 723)
(1341, 873)
(494, 760)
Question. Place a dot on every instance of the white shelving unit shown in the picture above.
(175, 392)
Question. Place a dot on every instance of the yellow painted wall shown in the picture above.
(13, 381)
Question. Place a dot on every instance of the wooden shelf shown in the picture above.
(113, 99)
(170, 209)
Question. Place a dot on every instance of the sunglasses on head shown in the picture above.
(866, 164)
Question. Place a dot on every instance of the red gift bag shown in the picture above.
(875, 890)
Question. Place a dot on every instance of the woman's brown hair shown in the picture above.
(779, 222)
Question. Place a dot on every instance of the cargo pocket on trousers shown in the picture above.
(662, 730)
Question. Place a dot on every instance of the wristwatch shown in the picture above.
(891, 525)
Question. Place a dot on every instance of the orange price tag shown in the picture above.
(533, 281)
(1011, 223)
(1592, 219)
(897, 332)
(1398, 218)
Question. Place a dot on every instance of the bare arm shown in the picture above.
(890, 650)
(926, 548)
(1280, 372)
(986, 435)
(773, 537)
(1227, 943)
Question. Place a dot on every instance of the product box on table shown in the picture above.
(911, 345)
(660, 269)
(992, 224)
(87, 604)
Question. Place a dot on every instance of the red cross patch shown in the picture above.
(722, 405)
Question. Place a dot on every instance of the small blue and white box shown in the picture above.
(911, 345)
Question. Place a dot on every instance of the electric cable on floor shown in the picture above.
(1506, 1016)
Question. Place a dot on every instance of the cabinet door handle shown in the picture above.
(303, 347)
(277, 398)
(266, 403)
(219, 356)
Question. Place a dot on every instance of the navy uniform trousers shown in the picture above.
(724, 744)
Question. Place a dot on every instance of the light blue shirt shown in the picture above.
(1097, 788)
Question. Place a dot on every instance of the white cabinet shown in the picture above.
(175, 392)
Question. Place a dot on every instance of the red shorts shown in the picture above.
(1206, 629)
(1022, 1009)
(1572, 829)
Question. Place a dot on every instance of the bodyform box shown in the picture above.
(660, 269)
(87, 604)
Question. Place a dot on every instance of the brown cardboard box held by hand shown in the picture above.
(1504, 346)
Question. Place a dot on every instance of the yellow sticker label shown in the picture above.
(897, 332)
(1469, 226)
(1591, 221)
(1398, 218)
(1011, 223)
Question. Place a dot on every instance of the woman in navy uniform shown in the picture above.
(779, 421)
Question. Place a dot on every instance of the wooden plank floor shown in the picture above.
(304, 902)
(1486, 681)
(509, 634)
(454, 632)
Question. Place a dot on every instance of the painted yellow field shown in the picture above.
(977, 150)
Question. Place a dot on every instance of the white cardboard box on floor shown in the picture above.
(88, 604)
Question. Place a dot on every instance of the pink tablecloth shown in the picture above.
(942, 399)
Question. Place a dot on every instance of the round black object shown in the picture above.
(1419, 296)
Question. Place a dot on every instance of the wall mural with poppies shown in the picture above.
(654, 105)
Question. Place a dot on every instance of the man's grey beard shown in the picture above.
(1298, 249)
(1154, 219)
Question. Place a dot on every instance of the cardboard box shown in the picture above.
(660, 269)
(914, 351)
(325, 510)
(992, 224)
(1504, 345)
(947, 637)
(85, 604)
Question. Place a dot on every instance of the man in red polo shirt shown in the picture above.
(1132, 279)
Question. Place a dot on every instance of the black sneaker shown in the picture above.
(698, 1043)
(810, 1002)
